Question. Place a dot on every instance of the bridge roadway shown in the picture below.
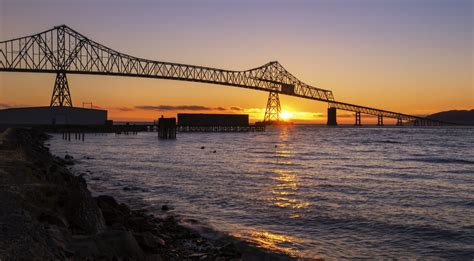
(62, 50)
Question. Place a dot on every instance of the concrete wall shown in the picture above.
(52, 115)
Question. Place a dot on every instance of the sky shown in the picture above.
(410, 56)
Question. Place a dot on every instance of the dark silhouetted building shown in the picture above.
(52, 116)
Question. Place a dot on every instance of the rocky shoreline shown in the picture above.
(48, 213)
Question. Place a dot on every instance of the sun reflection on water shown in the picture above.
(285, 186)
(285, 191)
(268, 240)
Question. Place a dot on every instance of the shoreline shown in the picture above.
(49, 213)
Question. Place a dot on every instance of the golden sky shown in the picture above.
(414, 57)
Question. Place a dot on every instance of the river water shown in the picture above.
(311, 191)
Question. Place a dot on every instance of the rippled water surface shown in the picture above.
(309, 190)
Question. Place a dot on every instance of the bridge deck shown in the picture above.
(63, 50)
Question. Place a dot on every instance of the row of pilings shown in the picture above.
(332, 120)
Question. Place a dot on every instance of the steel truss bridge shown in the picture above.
(63, 51)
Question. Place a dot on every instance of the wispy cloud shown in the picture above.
(179, 107)
(123, 109)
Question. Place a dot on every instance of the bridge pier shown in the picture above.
(399, 122)
(379, 120)
(358, 121)
(332, 116)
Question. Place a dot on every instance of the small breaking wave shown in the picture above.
(439, 160)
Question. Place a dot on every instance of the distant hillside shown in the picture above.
(459, 117)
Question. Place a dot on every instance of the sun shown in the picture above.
(286, 115)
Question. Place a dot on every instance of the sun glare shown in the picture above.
(286, 115)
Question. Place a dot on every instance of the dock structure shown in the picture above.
(167, 128)
(199, 122)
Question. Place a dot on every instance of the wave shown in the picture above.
(426, 231)
(439, 160)
(385, 141)
(459, 171)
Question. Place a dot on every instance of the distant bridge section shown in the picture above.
(63, 51)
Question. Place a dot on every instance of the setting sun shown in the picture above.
(286, 115)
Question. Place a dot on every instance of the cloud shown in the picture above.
(235, 108)
(179, 107)
(123, 109)
(7, 105)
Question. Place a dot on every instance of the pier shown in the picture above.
(198, 122)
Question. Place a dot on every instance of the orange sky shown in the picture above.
(410, 58)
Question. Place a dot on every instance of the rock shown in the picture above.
(149, 241)
(84, 246)
(203, 147)
(111, 210)
(53, 168)
(229, 250)
(124, 209)
(106, 201)
(127, 188)
(53, 219)
(165, 208)
(68, 157)
(120, 244)
(197, 255)
(118, 226)
(139, 224)
(110, 244)
(153, 257)
(81, 210)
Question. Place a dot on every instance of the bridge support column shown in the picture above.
(61, 95)
(332, 116)
(399, 122)
(272, 113)
(358, 121)
(379, 120)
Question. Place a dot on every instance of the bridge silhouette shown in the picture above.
(62, 50)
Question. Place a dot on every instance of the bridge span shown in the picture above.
(62, 50)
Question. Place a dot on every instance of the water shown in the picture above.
(310, 191)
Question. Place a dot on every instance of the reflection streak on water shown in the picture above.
(315, 191)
